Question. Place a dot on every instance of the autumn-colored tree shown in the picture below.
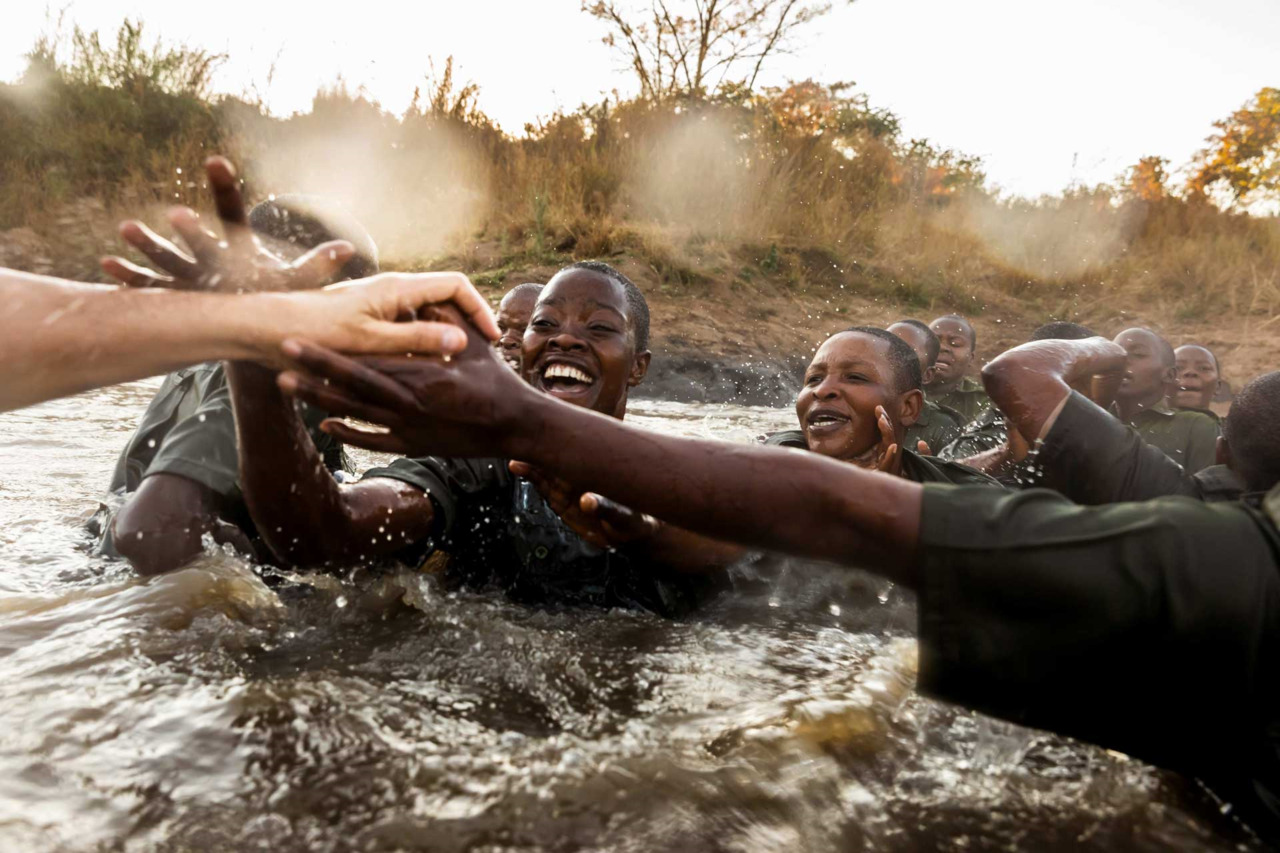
(1146, 180)
(701, 47)
(1244, 154)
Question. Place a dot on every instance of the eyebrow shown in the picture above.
(603, 306)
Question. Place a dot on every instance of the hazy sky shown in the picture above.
(1046, 92)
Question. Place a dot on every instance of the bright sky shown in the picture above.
(1046, 93)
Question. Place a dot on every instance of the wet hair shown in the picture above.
(528, 287)
(932, 345)
(902, 358)
(1250, 431)
(973, 333)
(637, 307)
(1062, 330)
(307, 221)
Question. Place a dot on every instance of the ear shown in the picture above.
(1171, 376)
(1222, 452)
(639, 368)
(926, 377)
(909, 406)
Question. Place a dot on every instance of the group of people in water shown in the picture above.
(1094, 551)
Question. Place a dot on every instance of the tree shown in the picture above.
(1145, 180)
(701, 47)
(1244, 155)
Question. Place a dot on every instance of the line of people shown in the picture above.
(1088, 558)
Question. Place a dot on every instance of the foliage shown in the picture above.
(1244, 154)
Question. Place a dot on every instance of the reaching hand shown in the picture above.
(423, 404)
(888, 459)
(236, 263)
(922, 447)
(595, 518)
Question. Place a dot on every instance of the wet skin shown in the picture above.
(916, 339)
(1146, 376)
(514, 312)
(956, 336)
(1197, 377)
(849, 377)
(579, 346)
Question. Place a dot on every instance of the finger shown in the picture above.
(520, 469)
(419, 336)
(318, 267)
(227, 197)
(334, 400)
(888, 463)
(623, 520)
(382, 442)
(131, 275)
(407, 292)
(204, 245)
(158, 250)
(363, 382)
(922, 447)
(886, 428)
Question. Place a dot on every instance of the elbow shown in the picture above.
(999, 374)
(152, 549)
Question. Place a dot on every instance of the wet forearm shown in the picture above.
(1029, 383)
(63, 337)
(294, 500)
(770, 498)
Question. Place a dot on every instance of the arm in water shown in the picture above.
(772, 498)
(63, 337)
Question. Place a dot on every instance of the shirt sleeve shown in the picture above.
(449, 483)
(1147, 628)
(1093, 458)
(202, 446)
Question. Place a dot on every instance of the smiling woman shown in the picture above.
(587, 343)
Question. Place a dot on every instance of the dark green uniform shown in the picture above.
(968, 398)
(1189, 438)
(1093, 458)
(499, 532)
(917, 468)
(1151, 628)
(937, 427)
(189, 429)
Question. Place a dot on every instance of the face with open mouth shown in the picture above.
(1197, 376)
(579, 346)
(850, 375)
(1147, 370)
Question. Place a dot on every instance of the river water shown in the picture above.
(203, 711)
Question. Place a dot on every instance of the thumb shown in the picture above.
(317, 267)
(922, 447)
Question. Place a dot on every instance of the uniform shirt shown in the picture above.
(968, 398)
(1151, 628)
(937, 427)
(189, 429)
(1188, 437)
(916, 468)
(1093, 458)
(498, 532)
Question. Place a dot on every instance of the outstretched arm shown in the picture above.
(772, 498)
(62, 337)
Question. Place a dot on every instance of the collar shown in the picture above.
(1271, 504)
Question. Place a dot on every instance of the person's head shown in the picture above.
(1149, 365)
(959, 343)
(852, 373)
(514, 312)
(1062, 330)
(1248, 444)
(290, 225)
(1199, 380)
(587, 342)
(925, 343)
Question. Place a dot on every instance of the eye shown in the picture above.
(542, 324)
(813, 379)
(603, 328)
(855, 377)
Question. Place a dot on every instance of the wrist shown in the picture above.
(528, 428)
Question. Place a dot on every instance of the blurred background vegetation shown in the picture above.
(807, 186)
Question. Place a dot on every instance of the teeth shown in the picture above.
(566, 371)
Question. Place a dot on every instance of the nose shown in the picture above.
(566, 340)
(827, 389)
